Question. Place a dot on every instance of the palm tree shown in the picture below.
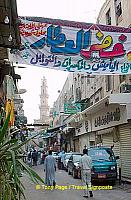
(11, 162)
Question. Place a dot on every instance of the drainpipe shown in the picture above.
(119, 176)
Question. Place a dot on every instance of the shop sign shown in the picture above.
(70, 108)
(108, 117)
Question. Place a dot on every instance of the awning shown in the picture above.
(55, 129)
(96, 107)
(121, 99)
(68, 129)
(49, 135)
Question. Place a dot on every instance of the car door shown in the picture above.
(70, 162)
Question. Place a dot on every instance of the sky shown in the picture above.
(73, 10)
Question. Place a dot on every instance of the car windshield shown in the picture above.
(54, 153)
(76, 158)
(67, 156)
(101, 154)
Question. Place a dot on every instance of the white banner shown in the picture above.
(74, 46)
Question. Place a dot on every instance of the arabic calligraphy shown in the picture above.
(125, 68)
(44, 60)
(118, 49)
(108, 117)
(73, 49)
(32, 25)
(32, 29)
(26, 53)
(59, 43)
(31, 33)
(38, 44)
(82, 64)
(129, 56)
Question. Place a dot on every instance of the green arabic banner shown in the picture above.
(70, 108)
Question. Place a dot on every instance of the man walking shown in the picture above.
(35, 157)
(50, 168)
(86, 166)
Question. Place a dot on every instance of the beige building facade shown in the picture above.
(117, 13)
(105, 117)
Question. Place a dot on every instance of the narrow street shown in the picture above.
(63, 179)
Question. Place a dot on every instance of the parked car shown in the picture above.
(73, 164)
(104, 164)
(55, 155)
(66, 159)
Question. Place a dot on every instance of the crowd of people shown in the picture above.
(35, 157)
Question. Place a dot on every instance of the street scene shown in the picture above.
(65, 99)
(117, 192)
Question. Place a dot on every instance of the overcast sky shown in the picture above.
(74, 10)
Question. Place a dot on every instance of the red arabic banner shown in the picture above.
(74, 46)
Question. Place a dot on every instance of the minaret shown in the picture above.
(44, 108)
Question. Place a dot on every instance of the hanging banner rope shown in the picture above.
(74, 47)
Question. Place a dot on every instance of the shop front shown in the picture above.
(110, 121)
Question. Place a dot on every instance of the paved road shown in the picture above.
(117, 193)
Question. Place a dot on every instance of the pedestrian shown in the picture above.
(39, 157)
(61, 158)
(86, 167)
(29, 158)
(50, 168)
(34, 157)
(43, 157)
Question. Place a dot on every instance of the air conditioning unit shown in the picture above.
(125, 88)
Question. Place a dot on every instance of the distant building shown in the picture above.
(20, 119)
(44, 108)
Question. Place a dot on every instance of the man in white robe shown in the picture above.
(50, 168)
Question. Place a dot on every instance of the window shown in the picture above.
(122, 78)
(78, 94)
(98, 139)
(91, 103)
(92, 143)
(108, 17)
(108, 83)
(97, 99)
(118, 10)
(88, 81)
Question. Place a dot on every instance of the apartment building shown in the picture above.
(117, 13)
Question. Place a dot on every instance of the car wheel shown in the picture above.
(69, 173)
(74, 174)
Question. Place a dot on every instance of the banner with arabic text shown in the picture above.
(74, 46)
